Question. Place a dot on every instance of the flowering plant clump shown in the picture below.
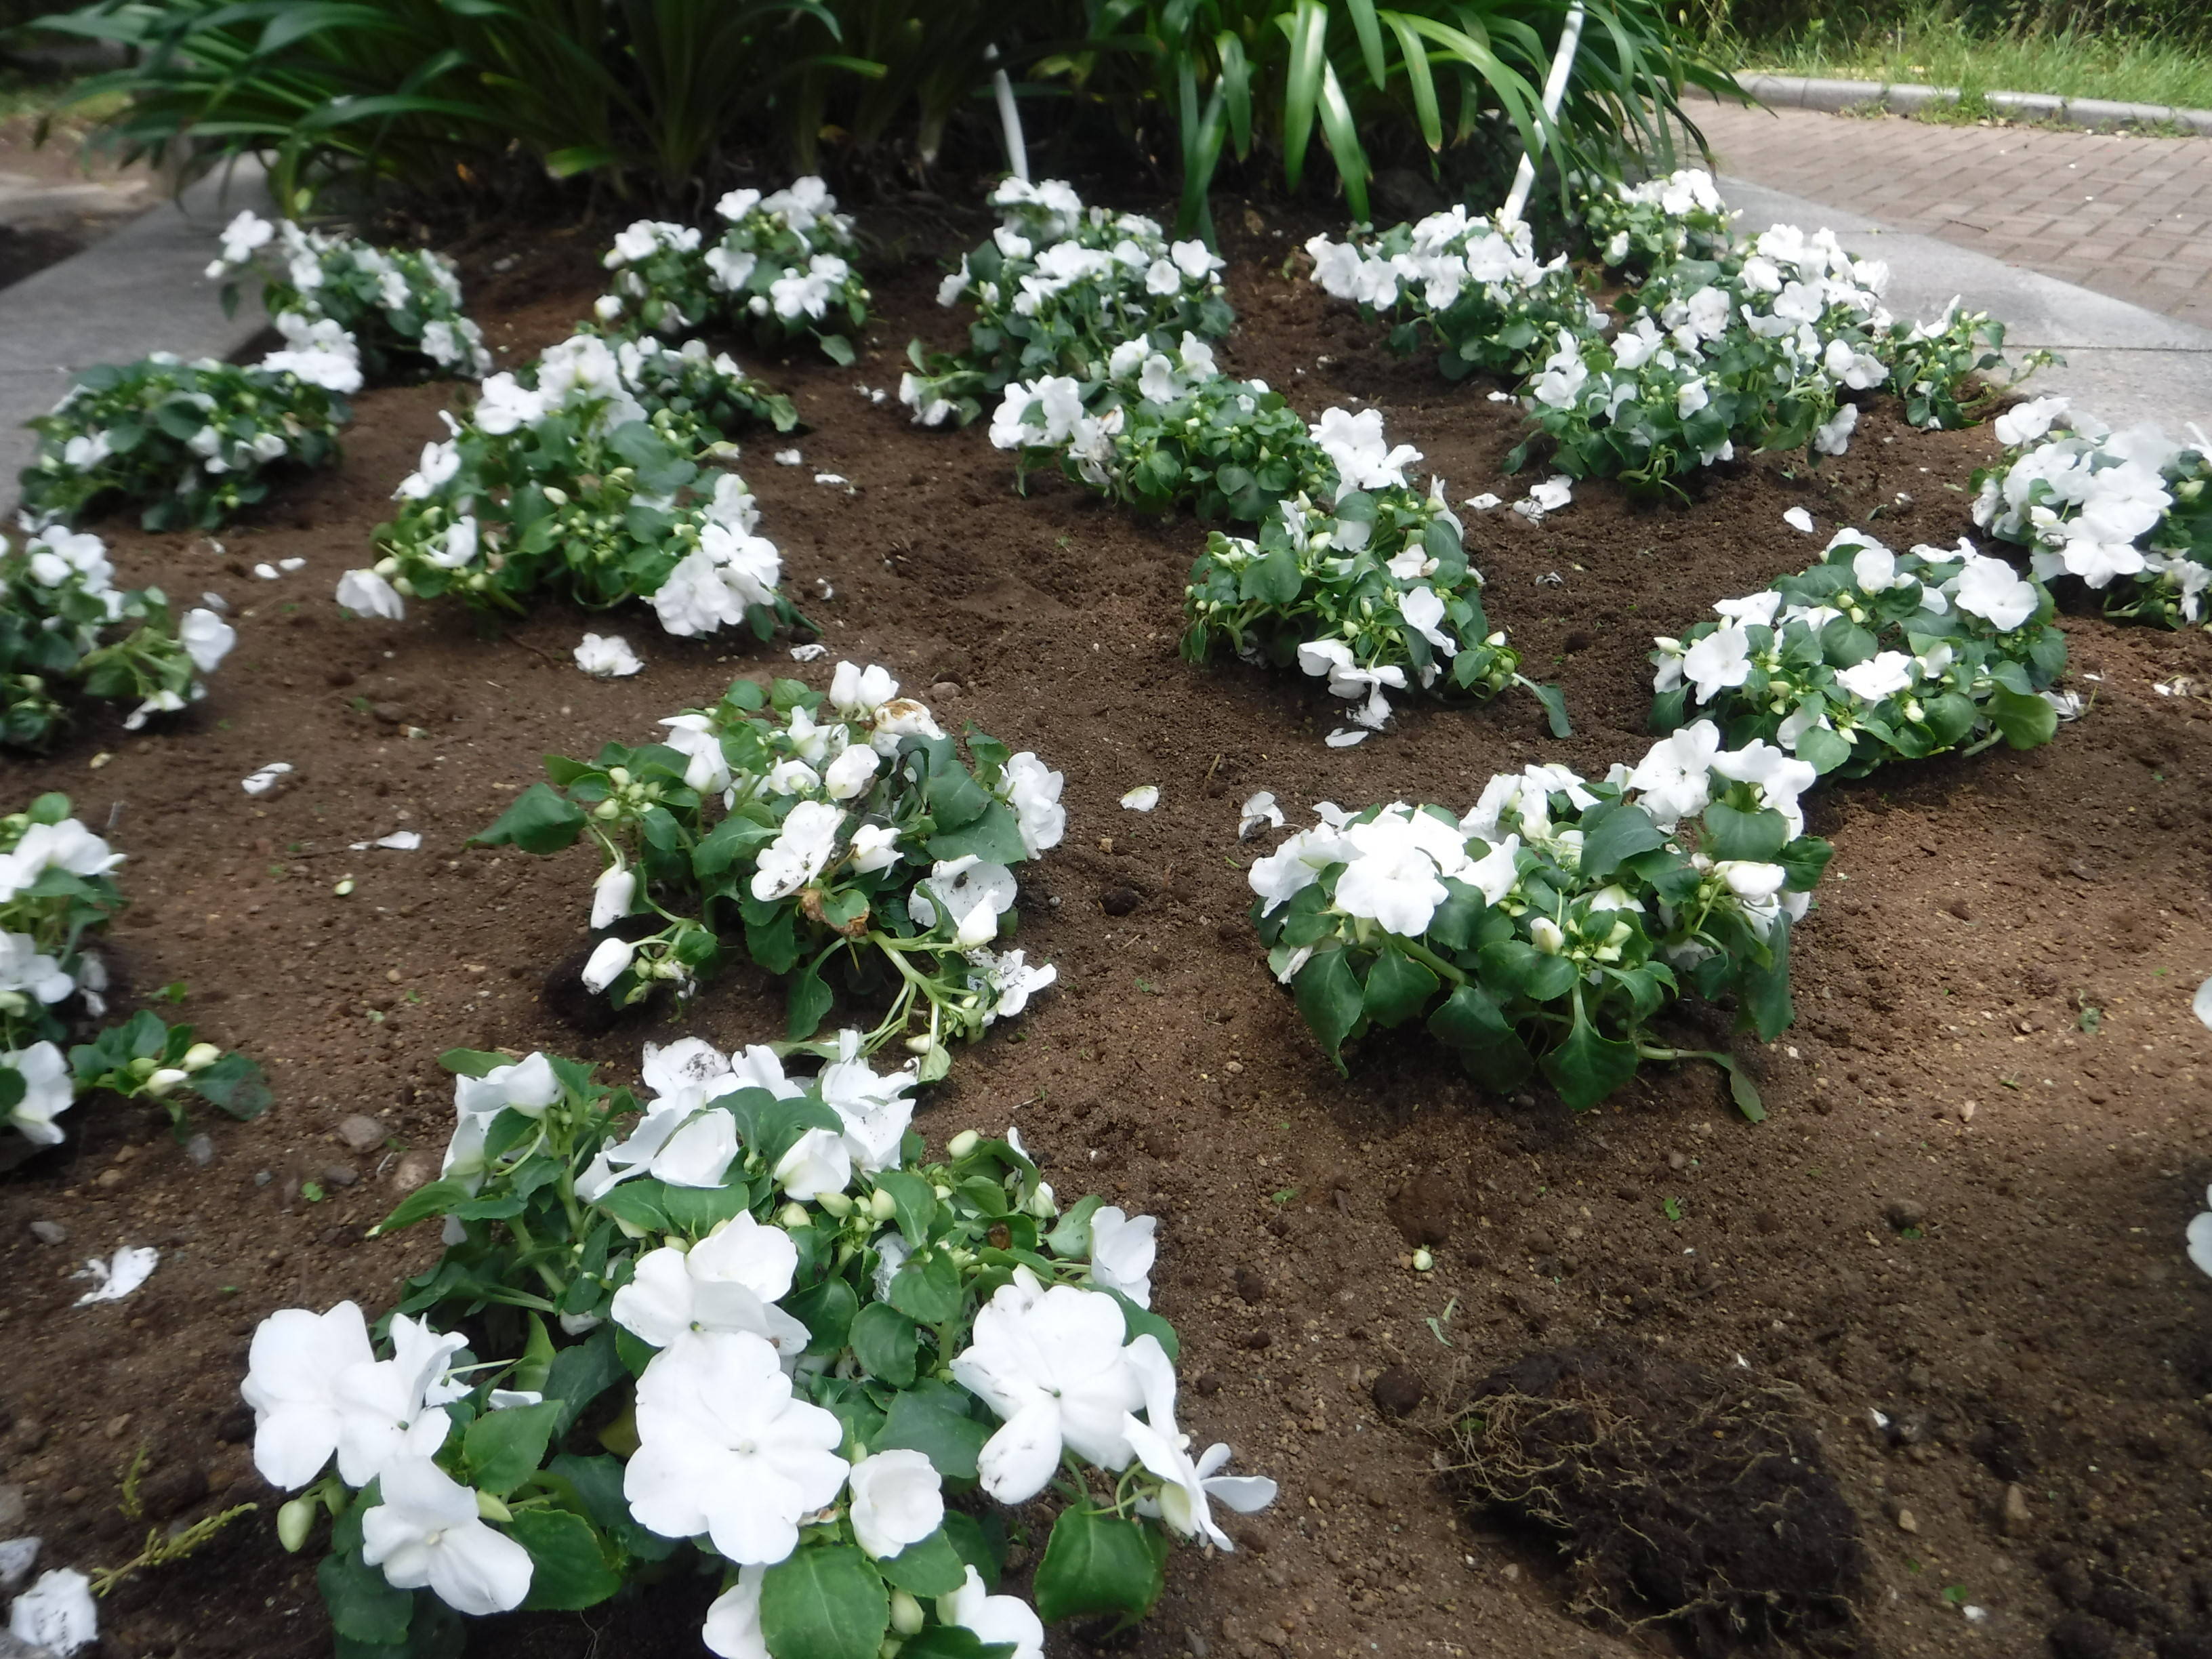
(190, 443)
(66, 627)
(2125, 512)
(1546, 928)
(853, 845)
(584, 473)
(1475, 285)
(1056, 289)
(1654, 224)
(402, 305)
(58, 893)
(1355, 575)
(782, 269)
(1872, 655)
(793, 1348)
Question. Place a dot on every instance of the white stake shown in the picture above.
(1555, 91)
(1010, 116)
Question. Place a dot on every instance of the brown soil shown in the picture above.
(1966, 1211)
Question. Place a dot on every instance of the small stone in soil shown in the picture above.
(1904, 1214)
(50, 1232)
(200, 1150)
(340, 1175)
(361, 1132)
(1255, 1339)
(1118, 900)
(2013, 1517)
(234, 1426)
(1210, 1383)
(1398, 1391)
(1250, 1285)
(12, 1508)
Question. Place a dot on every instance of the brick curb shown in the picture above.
(1802, 92)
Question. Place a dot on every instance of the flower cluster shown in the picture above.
(1657, 223)
(402, 307)
(190, 443)
(791, 1345)
(584, 473)
(782, 269)
(842, 839)
(1056, 289)
(1871, 655)
(57, 894)
(1546, 928)
(1475, 285)
(64, 626)
(2125, 512)
(1355, 575)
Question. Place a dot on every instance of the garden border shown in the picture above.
(1905, 98)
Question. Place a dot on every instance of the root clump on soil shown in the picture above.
(1678, 1495)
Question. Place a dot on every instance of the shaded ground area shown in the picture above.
(1966, 1211)
(55, 202)
(2126, 215)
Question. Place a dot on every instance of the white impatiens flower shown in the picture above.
(244, 235)
(994, 1620)
(1297, 863)
(734, 1622)
(873, 1107)
(292, 1376)
(393, 1409)
(1188, 1484)
(367, 594)
(1718, 662)
(1052, 1365)
(679, 1141)
(2024, 423)
(1033, 790)
(47, 1091)
(2200, 1227)
(799, 852)
(1123, 1250)
(898, 1499)
(27, 972)
(1779, 777)
(1880, 676)
(528, 1085)
(1392, 877)
(1673, 779)
(1992, 589)
(426, 1532)
(207, 639)
(1834, 435)
(607, 657)
(1006, 981)
(729, 1281)
(1260, 811)
(1362, 455)
(725, 1449)
(818, 1162)
(612, 895)
(974, 894)
(56, 1615)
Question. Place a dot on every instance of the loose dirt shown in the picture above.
(1988, 1125)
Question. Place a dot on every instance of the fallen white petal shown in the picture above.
(2202, 1005)
(216, 603)
(1344, 736)
(813, 652)
(400, 840)
(1482, 503)
(1798, 518)
(789, 458)
(1143, 798)
(831, 478)
(266, 780)
(56, 1614)
(131, 1268)
(291, 564)
(268, 572)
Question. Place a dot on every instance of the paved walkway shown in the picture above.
(2127, 217)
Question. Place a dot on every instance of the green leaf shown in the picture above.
(363, 1607)
(569, 1563)
(1824, 750)
(700, 1209)
(927, 1288)
(1470, 1019)
(824, 1603)
(914, 1202)
(994, 836)
(436, 1199)
(541, 821)
(1734, 834)
(1398, 988)
(503, 1448)
(1330, 997)
(236, 1086)
(1098, 1563)
(638, 1202)
(1554, 699)
(1615, 831)
(827, 1310)
(806, 1007)
(1588, 1066)
(580, 1373)
(933, 1419)
(1070, 1237)
(886, 1343)
(2026, 721)
(598, 1484)
(930, 1567)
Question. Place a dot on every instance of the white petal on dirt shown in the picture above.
(268, 572)
(2202, 1005)
(131, 1268)
(831, 478)
(827, 592)
(17, 1556)
(1258, 813)
(1482, 503)
(291, 564)
(1344, 736)
(607, 657)
(399, 841)
(813, 653)
(56, 1614)
(789, 457)
(216, 603)
(266, 780)
(1143, 798)
(1798, 518)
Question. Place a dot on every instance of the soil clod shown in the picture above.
(1398, 1391)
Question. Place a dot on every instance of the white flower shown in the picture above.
(2024, 423)
(607, 657)
(734, 1622)
(609, 959)
(1052, 1365)
(292, 1375)
(24, 969)
(207, 639)
(1673, 779)
(1553, 494)
(995, 1620)
(818, 1162)
(1720, 660)
(245, 234)
(1033, 790)
(799, 851)
(2200, 1227)
(528, 1085)
(851, 773)
(132, 1265)
(725, 1449)
(1122, 1249)
(56, 1615)
(1881, 675)
(393, 1409)
(706, 769)
(1297, 863)
(427, 1532)
(1363, 457)
(873, 1107)
(367, 594)
(47, 1091)
(1392, 878)
(1007, 981)
(1187, 1485)
(898, 1499)
(1991, 589)
(1834, 435)
(677, 1142)
(1779, 777)
(858, 693)
(1143, 799)
(729, 1281)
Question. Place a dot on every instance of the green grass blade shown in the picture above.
(1419, 81)
(1308, 27)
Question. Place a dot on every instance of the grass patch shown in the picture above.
(1928, 47)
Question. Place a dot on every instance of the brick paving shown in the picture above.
(2127, 217)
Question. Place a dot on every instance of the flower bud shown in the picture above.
(141, 1069)
(618, 776)
(403, 586)
(963, 1142)
(918, 1045)
(837, 1204)
(607, 810)
(555, 494)
(293, 1522)
(491, 1509)
(906, 1613)
(165, 1081)
(880, 1204)
(794, 1215)
(345, 888)
(200, 1056)
(1423, 1260)
(388, 567)
(1544, 934)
